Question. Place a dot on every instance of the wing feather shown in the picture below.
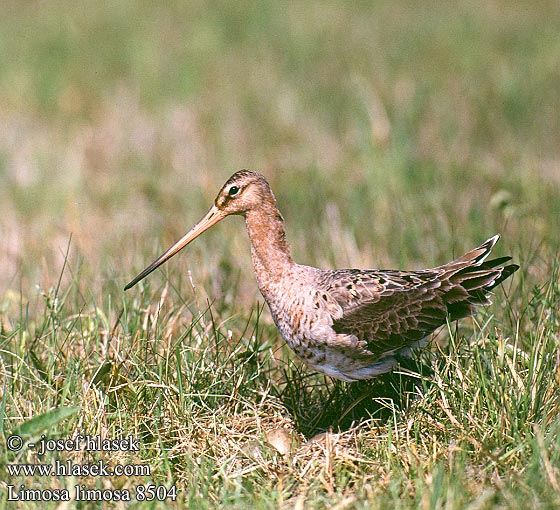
(390, 310)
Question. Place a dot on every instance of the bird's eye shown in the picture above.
(234, 190)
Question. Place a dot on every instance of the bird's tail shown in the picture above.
(474, 277)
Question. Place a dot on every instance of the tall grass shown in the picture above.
(393, 134)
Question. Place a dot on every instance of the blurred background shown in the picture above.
(394, 134)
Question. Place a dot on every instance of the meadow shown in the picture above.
(394, 135)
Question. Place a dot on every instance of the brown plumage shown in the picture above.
(347, 323)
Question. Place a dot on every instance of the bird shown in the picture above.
(349, 324)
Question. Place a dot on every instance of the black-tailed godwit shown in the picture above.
(347, 323)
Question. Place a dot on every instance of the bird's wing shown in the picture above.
(389, 310)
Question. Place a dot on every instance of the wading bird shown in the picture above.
(350, 324)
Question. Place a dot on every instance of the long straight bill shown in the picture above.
(211, 218)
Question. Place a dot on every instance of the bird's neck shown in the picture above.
(269, 248)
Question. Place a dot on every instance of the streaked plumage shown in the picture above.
(348, 323)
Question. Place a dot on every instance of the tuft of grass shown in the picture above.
(226, 416)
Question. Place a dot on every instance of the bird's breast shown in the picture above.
(301, 312)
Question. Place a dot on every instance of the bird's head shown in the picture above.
(244, 191)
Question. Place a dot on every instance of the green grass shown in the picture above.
(394, 134)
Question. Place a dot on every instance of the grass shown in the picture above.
(394, 135)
